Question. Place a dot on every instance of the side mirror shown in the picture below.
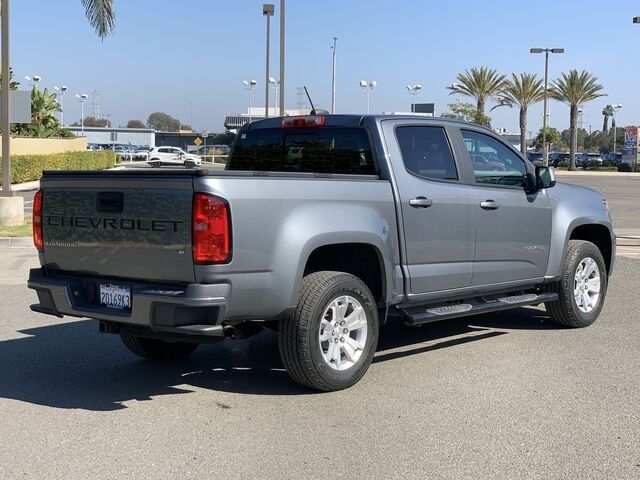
(545, 177)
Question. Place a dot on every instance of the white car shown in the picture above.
(172, 156)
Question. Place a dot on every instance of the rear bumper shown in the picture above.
(192, 309)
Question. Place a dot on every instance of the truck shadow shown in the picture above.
(71, 365)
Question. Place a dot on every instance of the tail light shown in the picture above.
(304, 121)
(211, 229)
(37, 221)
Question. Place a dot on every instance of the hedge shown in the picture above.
(25, 168)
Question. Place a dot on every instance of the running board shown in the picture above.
(419, 315)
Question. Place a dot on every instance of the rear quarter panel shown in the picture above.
(278, 222)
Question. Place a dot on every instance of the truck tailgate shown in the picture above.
(116, 224)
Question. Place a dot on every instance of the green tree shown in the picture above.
(466, 112)
(101, 16)
(163, 122)
(13, 85)
(523, 90)
(553, 137)
(482, 84)
(565, 137)
(135, 124)
(575, 89)
(607, 112)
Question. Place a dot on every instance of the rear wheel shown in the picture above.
(158, 349)
(582, 286)
(155, 163)
(329, 342)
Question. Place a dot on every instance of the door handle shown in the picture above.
(420, 202)
(489, 205)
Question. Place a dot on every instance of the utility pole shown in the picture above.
(333, 78)
(282, 2)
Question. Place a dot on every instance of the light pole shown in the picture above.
(60, 91)
(282, 2)
(190, 112)
(614, 107)
(413, 90)
(249, 85)
(275, 84)
(333, 77)
(34, 80)
(545, 153)
(82, 97)
(367, 87)
(267, 11)
(456, 88)
(636, 19)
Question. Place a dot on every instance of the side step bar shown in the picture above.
(419, 315)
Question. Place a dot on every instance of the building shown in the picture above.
(109, 135)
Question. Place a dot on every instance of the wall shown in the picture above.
(108, 136)
(33, 146)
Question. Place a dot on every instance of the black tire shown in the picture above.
(155, 163)
(189, 164)
(299, 343)
(565, 311)
(158, 349)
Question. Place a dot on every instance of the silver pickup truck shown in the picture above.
(320, 227)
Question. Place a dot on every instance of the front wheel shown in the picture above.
(582, 286)
(189, 164)
(329, 342)
(158, 349)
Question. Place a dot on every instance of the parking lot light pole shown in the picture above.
(413, 91)
(267, 11)
(367, 87)
(545, 153)
(60, 91)
(82, 97)
(6, 173)
(249, 85)
(614, 107)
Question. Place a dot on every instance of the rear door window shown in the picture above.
(345, 150)
(426, 152)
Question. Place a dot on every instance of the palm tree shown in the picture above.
(101, 16)
(575, 89)
(606, 112)
(482, 83)
(523, 91)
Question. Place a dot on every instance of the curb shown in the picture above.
(578, 173)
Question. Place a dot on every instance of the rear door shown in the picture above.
(438, 220)
(513, 230)
(122, 226)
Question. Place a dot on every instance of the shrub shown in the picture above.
(564, 164)
(25, 168)
(625, 167)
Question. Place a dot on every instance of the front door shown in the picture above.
(439, 222)
(513, 230)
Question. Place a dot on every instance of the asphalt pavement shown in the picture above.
(497, 396)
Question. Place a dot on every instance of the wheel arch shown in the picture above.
(600, 236)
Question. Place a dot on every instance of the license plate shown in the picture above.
(114, 296)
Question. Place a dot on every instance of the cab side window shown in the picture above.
(426, 152)
(494, 163)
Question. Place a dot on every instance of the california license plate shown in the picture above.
(115, 296)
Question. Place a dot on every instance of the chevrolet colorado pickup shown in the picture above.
(320, 227)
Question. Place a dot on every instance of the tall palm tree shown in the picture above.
(575, 89)
(481, 83)
(101, 16)
(523, 91)
(606, 112)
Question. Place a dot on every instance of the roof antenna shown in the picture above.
(313, 108)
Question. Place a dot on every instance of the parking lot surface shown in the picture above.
(501, 396)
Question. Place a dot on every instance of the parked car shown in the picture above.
(322, 227)
(172, 156)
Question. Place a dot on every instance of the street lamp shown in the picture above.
(545, 153)
(249, 85)
(60, 91)
(275, 84)
(413, 90)
(636, 19)
(82, 97)
(267, 11)
(33, 80)
(367, 87)
(456, 88)
(614, 107)
(190, 112)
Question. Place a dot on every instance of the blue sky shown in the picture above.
(163, 52)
